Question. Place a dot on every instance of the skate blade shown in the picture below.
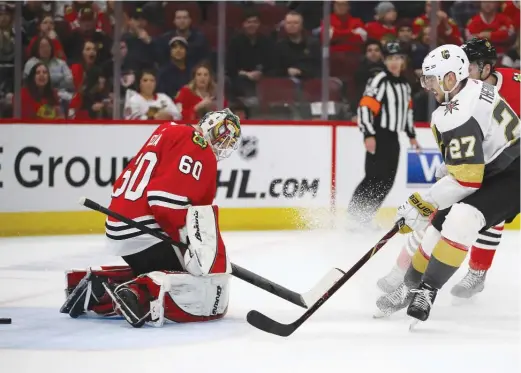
(413, 324)
(378, 314)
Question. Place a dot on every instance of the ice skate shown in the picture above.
(392, 280)
(470, 285)
(390, 303)
(422, 301)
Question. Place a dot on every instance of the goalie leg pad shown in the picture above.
(182, 298)
(206, 252)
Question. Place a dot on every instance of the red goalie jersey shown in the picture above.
(508, 80)
(175, 168)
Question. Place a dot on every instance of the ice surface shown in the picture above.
(482, 335)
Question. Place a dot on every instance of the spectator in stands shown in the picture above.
(87, 32)
(94, 100)
(32, 13)
(128, 69)
(141, 50)
(347, 33)
(511, 9)
(175, 75)
(511, 58)
(198, 49)
(463, 11)
(199, 96)
(421, 50)
(371, 65)
(7, 50)
(39, 100)
(448, 31)
(249, 56)
(88, 60)
(73, 14)
(404, 33)
(494, 26)
(42, 51)
(383, 28)
(297, 55)
(46, 28)
(148, 104)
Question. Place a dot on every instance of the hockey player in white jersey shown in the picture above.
(478, 136)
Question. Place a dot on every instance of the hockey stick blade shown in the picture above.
(268, 325)
(264, 323)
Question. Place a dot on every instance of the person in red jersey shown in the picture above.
(448, 31)
(512, 9)
(199, 95)
(169, 186)
(39, 100)
(482, 57)
(347, 33)
(491, 25)
(383, 29)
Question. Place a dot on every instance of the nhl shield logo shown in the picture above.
(445, 54)
(249, 147)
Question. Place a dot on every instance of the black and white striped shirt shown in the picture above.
(386, 104)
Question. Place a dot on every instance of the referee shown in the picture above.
(384, 110)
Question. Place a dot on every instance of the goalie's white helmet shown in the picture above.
(441, 61)
(222, 130)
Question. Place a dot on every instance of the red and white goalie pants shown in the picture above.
(164, 295)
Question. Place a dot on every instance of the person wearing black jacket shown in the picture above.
(249, 56)
(371, 65)
(384, 111)
(298, 56)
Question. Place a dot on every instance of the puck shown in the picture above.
(5, 321)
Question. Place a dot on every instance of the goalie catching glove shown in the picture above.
(415, 213)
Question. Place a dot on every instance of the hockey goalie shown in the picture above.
(169, 186)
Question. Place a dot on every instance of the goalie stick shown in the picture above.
(268, 325)
(302, 300)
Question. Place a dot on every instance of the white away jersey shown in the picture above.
(137, 107)
(478, 135)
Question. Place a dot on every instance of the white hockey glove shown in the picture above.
(415, 212)
(206, 252)
(441, 171)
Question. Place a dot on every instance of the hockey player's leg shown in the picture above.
(401, 297)
(481, 256)
(394, 278)
(447, 255)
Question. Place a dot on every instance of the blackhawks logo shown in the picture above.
(199, 140)
(517, 77)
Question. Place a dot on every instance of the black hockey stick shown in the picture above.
(301, 300)
(268, 325)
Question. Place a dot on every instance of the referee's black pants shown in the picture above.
(380, 172)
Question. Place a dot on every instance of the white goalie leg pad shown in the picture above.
(430, 239)
(205, 249)
(462, 224)
(193, 296)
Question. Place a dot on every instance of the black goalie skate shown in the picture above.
(422, 301)
(470, 285)
(390, 303)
